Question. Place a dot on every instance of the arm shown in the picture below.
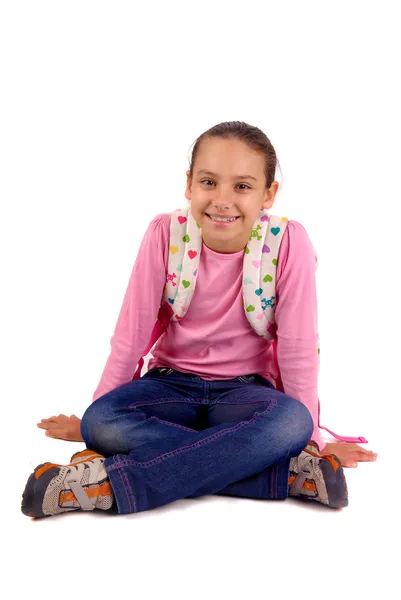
(140, 307)
(296, 320)
(134, 326)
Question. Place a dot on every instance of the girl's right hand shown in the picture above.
(63, 428)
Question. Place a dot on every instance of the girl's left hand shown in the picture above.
(349, 454)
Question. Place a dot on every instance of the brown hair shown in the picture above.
(253, 136)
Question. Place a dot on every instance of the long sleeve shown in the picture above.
(296, 320)
(139, 309)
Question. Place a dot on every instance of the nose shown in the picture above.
(221, 208)
(222, 205)
(223, 199)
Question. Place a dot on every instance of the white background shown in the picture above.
(100, 103)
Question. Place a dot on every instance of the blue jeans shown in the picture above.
(171, 435)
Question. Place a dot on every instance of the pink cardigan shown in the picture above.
(215, 339)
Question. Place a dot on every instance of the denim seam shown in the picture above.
(172, 424)
(131, 492)
(273, 402)
(123, 482)
(165, 400)
(193, 446)
(121, 473)
(194, 401)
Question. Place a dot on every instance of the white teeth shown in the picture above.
(220, 219)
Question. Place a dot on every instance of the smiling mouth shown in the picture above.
(235, 218)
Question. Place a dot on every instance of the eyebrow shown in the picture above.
(235, 176)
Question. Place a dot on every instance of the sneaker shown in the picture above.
(53, 489)
(83, 455)
(317, 477)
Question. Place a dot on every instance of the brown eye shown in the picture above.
(244, 184)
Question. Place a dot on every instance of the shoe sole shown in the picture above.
(336, 484)
(35, 489)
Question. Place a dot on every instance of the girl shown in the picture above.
(207, 417)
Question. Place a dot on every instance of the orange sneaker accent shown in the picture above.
(306, 485)
(73, 464)
(50, 465)
(100, 490)
(88, 453)
(45, 468)
(309, 486)
(334, 463)
(330, 457)
(313, 454)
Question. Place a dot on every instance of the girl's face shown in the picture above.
(228, 181)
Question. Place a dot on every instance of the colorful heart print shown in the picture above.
(256, 263)
(192, 254)
(267, 278)
(250, 308)
(265, 218)
(265, 248)
(274, 261)
(174, 249)
(186, 238)
(259, 291)
(179, 268)
(186, 283)
(247, 280)
(275, 230)
(182, 220)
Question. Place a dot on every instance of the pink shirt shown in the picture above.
(215, 339)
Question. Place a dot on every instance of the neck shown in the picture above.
(227, 246)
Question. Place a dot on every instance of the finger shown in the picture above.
(348, 461)
(57, 434)
(363, 452)
(366, 458)
(48, 425)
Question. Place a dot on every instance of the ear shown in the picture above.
(270, 195)
(188, 186)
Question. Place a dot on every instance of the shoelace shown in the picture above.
(306, 464)
(74, 477)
